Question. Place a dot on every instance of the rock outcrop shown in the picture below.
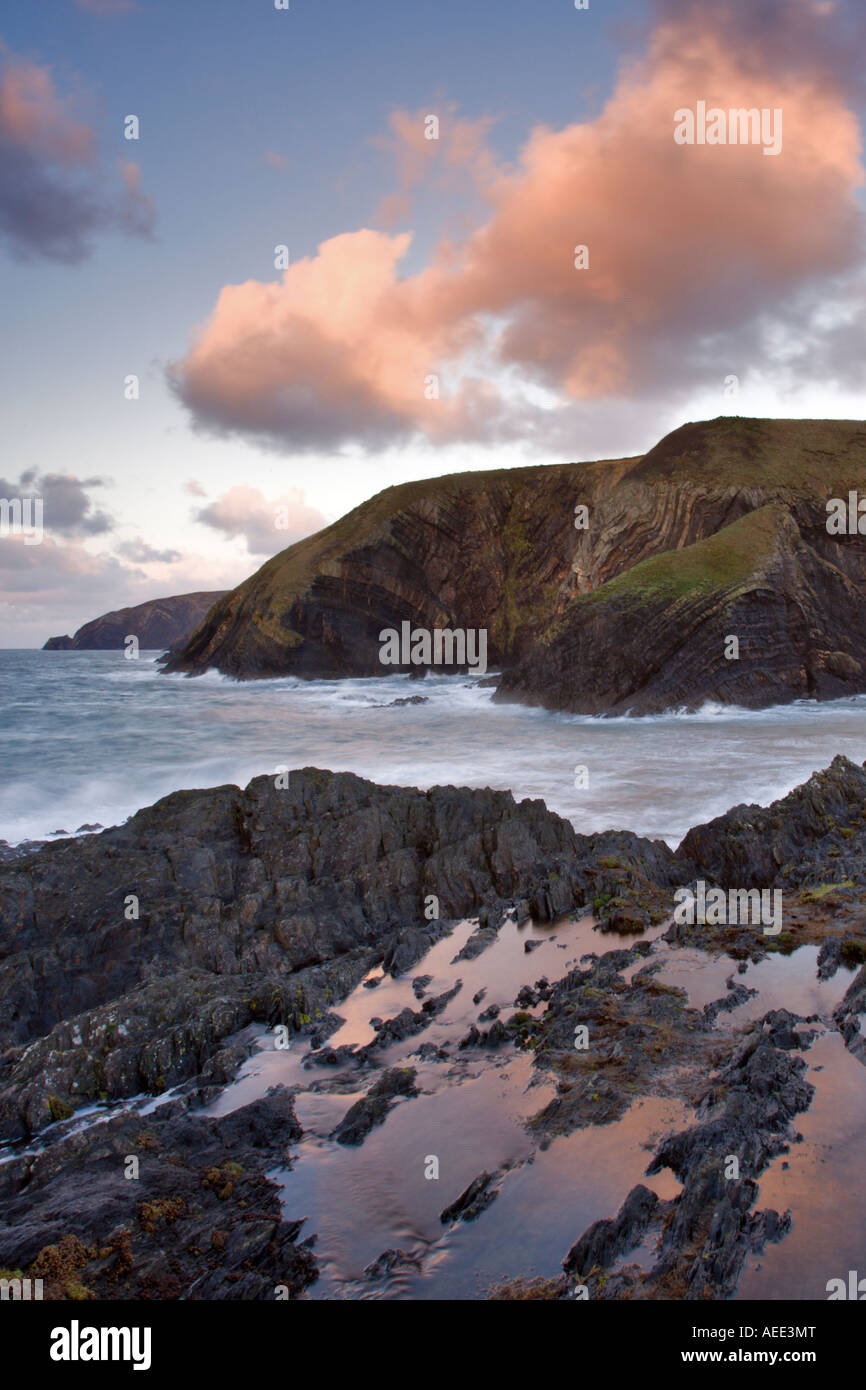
(754, 615)
(127, 957)
(719, 531)
(159, 624)
(132, 962)
(814, 836)
(201, 1220)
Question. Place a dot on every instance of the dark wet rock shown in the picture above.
(829, 958)
(532, 945)
(491, 1012)
(627, 920)
(391, 1262)
(476, 1198)
(742, 943)
(201, 1221)
(409, 1022)
(373, 1108)
(705, 1234)
(373, 983)
(403, 1025)
(409, 945)
(786, 1030)
(268, 906)
(748, 1110)
(634, 1030)
(10, 853)
(410, 700)
(607, 1239)
(737, 995)
(480, 939)
(263, 905)
(848, 1015)
(815, 837)
(495, 1036)
(420, 984)
(345, 1055)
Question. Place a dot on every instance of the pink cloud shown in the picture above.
(416, 144)
(35, 118)
(54, 195)
(340, 343)
(693, 251)
(266, 525)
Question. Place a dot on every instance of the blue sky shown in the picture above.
(261, 127)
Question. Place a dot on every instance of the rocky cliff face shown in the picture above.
(159, 624)
(754, 615)
(719, 531)
(465, 551)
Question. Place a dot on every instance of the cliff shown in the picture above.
(720, 530)
(161, 623)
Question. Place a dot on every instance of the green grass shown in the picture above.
(821, 457)
(823, 890)
(726, 560)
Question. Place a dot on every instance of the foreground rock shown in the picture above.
(704, 1235)
(374, 1108)
(815, 835)
(195, 1218)
(130, 959)
(128, 956)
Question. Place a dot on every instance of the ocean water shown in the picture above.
(89, 737)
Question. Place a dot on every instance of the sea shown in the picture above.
(88, 738)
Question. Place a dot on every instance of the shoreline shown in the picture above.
(215, 911)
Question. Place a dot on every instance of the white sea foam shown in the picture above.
(90, 737)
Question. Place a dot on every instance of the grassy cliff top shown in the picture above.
(725, 560)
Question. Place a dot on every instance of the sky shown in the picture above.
(342, 253)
